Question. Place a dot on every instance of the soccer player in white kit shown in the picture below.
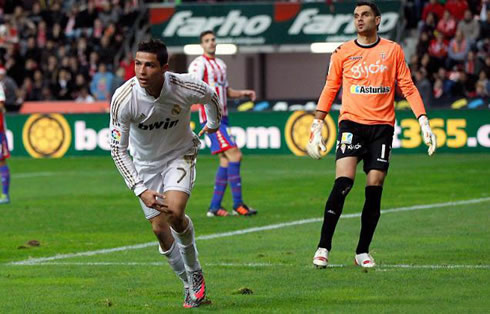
(150, 114)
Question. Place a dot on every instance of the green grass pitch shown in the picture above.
(76, 205)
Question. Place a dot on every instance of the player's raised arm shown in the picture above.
(410, 92)
(119, 140)
(316, 143)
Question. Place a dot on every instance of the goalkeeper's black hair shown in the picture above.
(157, 47)
(370, 4)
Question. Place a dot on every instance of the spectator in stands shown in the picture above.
(429, 25)
(481, 91)
(458, 78)
(93, 63)
(24, 26)
(86, 18)
(42, 35)
(484, 84)
(438, 48)
(456, 8)
(469, 27)
(71, 28)
(108, 14)
(50, 70)
(106, 50)
(458, 50)
(429, 64)
(442, 76)
(101, 83)
(433, 6)
(35, 16)
(14, 64)
(98, 29)
(54, 15)
(29, 68)
(424, 86)
(57, 34)
(447, 25)
(84, 96)
(49, 50)
(117, 81)
(484, 30)
(423, 44)
(128, 64)
(471, 65)
(82, 50)
(414, 63)
(37, 86)
(32, 51)
(63, 88)
(438, 90)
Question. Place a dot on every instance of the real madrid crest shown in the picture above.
(176, 110)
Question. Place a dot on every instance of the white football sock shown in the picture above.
(187, 246)
(176, 262)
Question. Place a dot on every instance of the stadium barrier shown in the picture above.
(56, 135)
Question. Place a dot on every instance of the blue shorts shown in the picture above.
(4, 148)
(221, 140)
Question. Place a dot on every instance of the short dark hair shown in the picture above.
(204, 34)
(157, 47)
(370, 4)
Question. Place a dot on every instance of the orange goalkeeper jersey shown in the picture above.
(368, 75)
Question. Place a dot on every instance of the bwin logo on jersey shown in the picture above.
(360, 89)
(167, 124)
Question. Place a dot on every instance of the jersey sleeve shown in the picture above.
(332, 85)
(212, 107)
(120, 121)
(211, 103)
(408, 88)
(196, 69)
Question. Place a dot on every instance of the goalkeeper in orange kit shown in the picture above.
(367, 68)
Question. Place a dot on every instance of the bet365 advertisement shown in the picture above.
(56, 135)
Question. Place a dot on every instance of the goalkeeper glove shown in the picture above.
(429, 137)
(316, 145)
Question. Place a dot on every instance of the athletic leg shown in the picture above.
(5, 178)
(376, 164)
(371, 210)
(220, 184)
(345, 174)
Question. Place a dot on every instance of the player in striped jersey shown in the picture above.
(367, 68)
(4, 151)
(151, 113)
(212, 71)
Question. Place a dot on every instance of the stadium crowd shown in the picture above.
(65, 50)
(452, 58)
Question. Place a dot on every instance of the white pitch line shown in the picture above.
(255, 265)
(244, 231)
(56, 173)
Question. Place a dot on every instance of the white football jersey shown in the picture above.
(156, 130)
(213, 72)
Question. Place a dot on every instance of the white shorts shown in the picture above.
(176, 175)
